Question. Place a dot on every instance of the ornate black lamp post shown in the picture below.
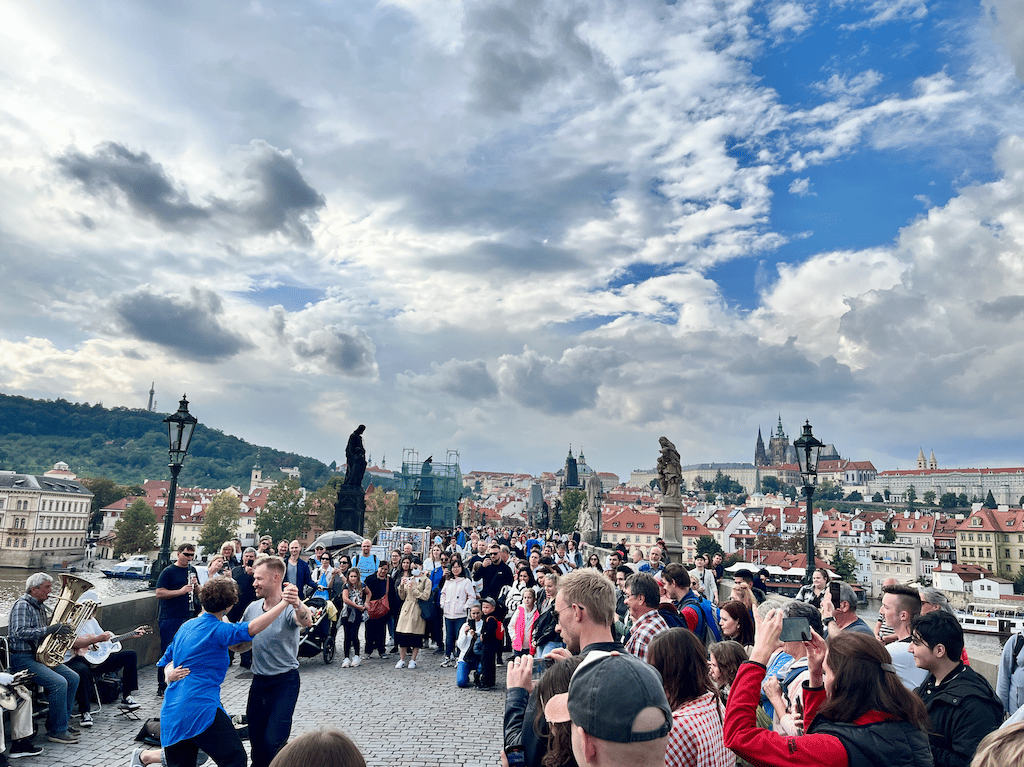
(180, 426)
(807, 448)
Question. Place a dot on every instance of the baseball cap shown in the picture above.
(607, 692)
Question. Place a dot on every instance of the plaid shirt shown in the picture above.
(646, 627)
(696, 737)
(28, 624)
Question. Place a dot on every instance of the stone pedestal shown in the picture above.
(350, 509)
(670, 514)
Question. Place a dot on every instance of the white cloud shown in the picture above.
(496, 220)
(801, 187)
(789, 17)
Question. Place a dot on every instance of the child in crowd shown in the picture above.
(469, 658)
(492, 636)
(522, 624)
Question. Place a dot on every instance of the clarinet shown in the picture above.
(193, 597)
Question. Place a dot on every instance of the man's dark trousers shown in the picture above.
(269, 712)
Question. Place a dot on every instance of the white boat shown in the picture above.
(136, 567)
(999, 620)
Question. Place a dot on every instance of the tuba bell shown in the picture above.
(70, 612)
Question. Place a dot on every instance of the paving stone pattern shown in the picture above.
(407, 718)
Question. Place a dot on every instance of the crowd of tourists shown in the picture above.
(624, 658)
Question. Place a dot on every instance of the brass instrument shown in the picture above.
(70, 612)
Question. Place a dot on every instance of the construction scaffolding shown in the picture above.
(429, 492)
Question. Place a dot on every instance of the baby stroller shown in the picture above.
(318, 638)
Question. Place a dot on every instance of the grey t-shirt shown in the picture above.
(275, 650)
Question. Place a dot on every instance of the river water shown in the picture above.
(12, 584)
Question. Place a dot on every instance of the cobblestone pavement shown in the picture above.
(407, 718)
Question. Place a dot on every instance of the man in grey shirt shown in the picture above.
(275, 663)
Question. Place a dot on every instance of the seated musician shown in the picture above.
(94, 652)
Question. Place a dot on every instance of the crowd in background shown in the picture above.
(675, 673)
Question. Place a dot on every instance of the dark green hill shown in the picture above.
(130, 446)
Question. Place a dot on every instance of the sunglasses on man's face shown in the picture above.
(189, 553)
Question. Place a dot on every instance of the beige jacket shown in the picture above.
(410, 620)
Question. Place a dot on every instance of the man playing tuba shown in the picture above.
(28, 627)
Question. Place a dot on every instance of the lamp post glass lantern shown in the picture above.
(180, 426)
(807, 449)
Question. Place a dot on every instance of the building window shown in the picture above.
(988, 553)
(972, 551)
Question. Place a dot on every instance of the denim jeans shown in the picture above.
(61, 684)
(452, 626)
(271, 706)
(463, 669)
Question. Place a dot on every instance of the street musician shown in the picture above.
(29, 626)
(96, 651)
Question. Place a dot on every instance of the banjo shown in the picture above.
(99, 652)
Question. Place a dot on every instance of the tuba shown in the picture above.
(68, 611)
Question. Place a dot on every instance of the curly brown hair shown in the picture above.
(218, 594)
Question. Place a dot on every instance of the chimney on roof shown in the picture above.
(917, 515)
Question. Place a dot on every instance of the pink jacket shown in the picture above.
(522, 626)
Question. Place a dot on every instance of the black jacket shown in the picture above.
(963, 710)
(882, 744)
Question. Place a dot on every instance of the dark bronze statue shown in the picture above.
(355, 458)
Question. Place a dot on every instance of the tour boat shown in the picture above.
(1001, 620)
(136, 568)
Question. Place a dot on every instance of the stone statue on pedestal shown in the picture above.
(670, 473)
(670, 508)
(589, 521)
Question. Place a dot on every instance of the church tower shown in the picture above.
(572, 478)
(932, 463)
(778, 445)
(921, 462)
(760, 456)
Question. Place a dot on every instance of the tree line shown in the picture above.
(130, 446)
(289, 513)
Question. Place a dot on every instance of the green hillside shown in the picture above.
(130, 446)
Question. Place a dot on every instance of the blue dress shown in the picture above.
(190, 704)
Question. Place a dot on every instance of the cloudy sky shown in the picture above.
(508, 226)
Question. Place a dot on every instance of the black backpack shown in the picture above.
(1018, 645)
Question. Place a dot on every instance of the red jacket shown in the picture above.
(764, 747)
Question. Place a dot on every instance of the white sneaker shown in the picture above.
(346, 663)
(87, 719)
(356, 661)
(401, 664)
(412, 664)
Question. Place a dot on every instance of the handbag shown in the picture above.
(427, 609)
(378, 608)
